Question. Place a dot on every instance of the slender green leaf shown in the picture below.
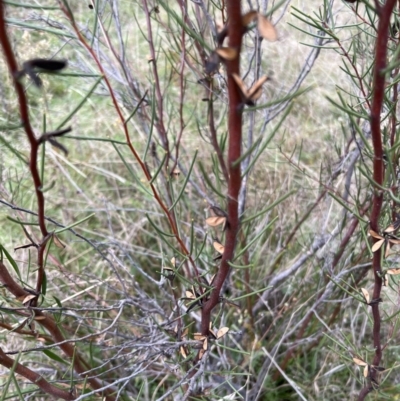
(60, 230)
(185, 182)
(79, 105)
(11, 260)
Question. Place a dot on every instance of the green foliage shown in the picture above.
(129, 260)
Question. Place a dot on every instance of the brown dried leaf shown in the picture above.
(387, 251)
(227, 53)
(385, 280)
(201, 353)
(40, 317)
(374, 234)
(205, 344)
(173, 261)
(28, 298)
(377, 245)
(359, 362)
(190, 295)
(249, 17)
(256, 95)
(366, 371)
(366, 295)
(240, 84)
(57, 242)
(221, 332)
(215, 221)
(266, 29)
(212, 279)
(218, 247)
(198, 337)
(255, 91)
(183, 351)
(393, 272)
(389, 229)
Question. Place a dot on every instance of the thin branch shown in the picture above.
(24, 112)
(35, 378)
(378, 85)
(235, 33)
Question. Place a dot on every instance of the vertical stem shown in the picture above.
(378, 86)
(24, 112)
(235, 33)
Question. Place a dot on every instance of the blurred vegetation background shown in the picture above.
(118, 288)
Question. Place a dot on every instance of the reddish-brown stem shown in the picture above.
(34, 377)
(393, 125)
(345, 241)
(235, 33)
(24, 112)
(378, 86)
(306, 322)
(142, 164)
(51, 326)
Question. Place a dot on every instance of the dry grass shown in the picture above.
(112, 289)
